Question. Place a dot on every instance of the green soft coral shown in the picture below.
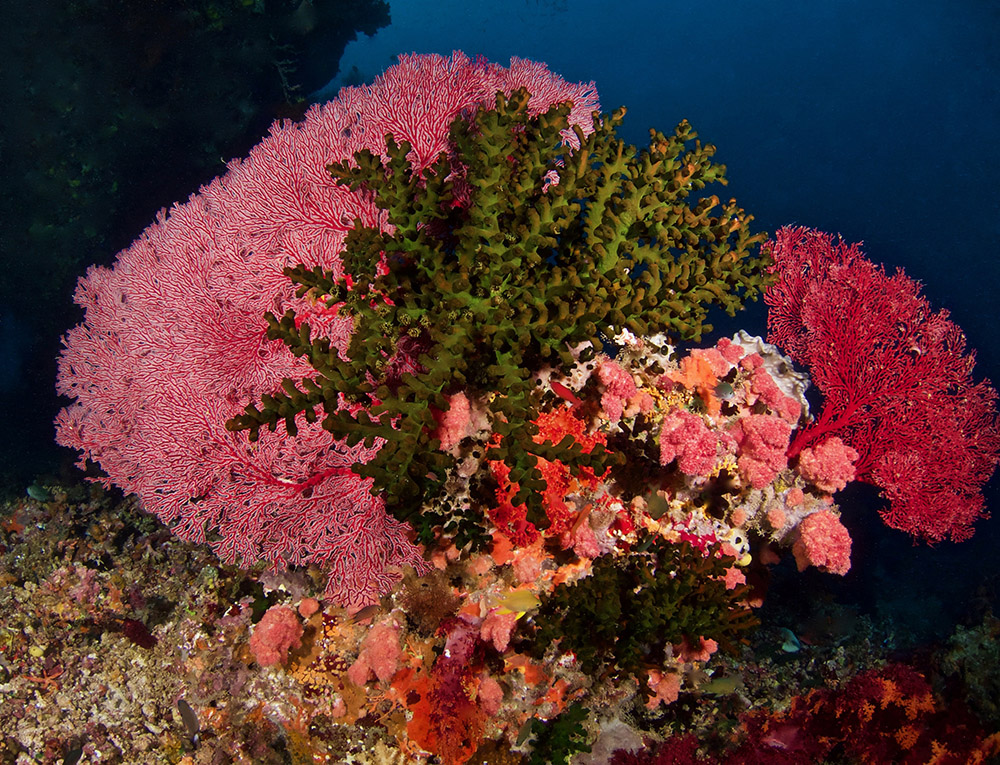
(628, 612)
(556, 741)
(491, 271)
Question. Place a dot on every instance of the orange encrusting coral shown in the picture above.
(697, 374)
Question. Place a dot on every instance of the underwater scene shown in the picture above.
(547, 381)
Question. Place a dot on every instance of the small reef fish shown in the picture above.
(722, 685)
(38, 493)
(724, 391)
(366, 613)
(190, 720)
(565, 393)
(518, 602)
(791, 644)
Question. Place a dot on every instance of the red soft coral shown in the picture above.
(447, 719)
(511, 519)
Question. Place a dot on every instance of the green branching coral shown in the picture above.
(558, 740)
(623, 617)
(488, 270)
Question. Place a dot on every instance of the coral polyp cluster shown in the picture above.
(526, 238)
(633, 580)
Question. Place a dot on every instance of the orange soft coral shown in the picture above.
(697, 374)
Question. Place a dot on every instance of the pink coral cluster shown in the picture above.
(685, 437)
(762, 441)
(723, 418)
(455, 423)
(755, 425)
(823, 542)
(617, 386)
(278, 632)
(379, 655)
(829, 466)
(764, 389)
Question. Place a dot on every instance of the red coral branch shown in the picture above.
(895, 377)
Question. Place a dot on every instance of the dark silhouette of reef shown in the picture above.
(113, 109)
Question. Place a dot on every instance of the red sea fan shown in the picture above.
(174, 343)
(896, 382)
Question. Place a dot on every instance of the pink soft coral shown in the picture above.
(665, 688)
(828, 466)
(764, 389)
(455, 423)
(685, 437)
(277, 632)
(496, 628)
(823, 542)
(618, 389)
(380, 654)
(762, 440)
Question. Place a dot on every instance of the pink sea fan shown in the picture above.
(685, 437)
(828, 466)
(762, 440)
(823, 542)
(174, 341)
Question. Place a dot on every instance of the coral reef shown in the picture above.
(494, 261)
(174, 342)
(416, 353)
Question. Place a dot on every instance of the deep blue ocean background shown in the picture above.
(875, 119)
